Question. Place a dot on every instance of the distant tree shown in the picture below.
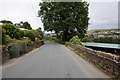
(66, 19)
(26, 25)
(5, 21)
(22, 24)
(17, 25)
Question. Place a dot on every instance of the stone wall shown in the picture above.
(4, 55)
(16, 49)
(107, 61)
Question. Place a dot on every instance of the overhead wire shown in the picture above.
(38, 22)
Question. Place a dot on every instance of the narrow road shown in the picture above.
(51, 61)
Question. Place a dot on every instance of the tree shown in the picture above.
(66, 19)
(5, 21)
(26, 25)
(22, 24)
(12, 31)
(17, 25)
(40, 33)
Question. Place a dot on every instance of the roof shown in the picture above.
(103, 45)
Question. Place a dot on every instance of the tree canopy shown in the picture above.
(25, 25)
(6, 21)
(40, 32)
(66, 19)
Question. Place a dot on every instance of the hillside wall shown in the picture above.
(107, 61)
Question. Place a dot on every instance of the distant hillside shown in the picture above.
(102, 30)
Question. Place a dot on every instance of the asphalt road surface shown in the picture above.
(52, 60)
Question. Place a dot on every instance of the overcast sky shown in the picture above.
(103, 13)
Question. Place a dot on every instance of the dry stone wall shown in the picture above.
(107, 61)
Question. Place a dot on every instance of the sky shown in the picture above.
(103, 13)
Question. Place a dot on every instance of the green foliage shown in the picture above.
(25, 25)
(27, 40)
(14, 50)
(107, 40)
(5, 21)
(17, 25)
(40, 37)
(86, 39)
(67, 19)
(12, 31)
(35, 32)
(66, 44)
(6, 39)
(29, 34)
(49, 38)
(40, 33)
(17, 48)
(75, 40)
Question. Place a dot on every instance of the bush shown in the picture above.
(40, 37)
(27, 40)
(107, 40)
(35, 32)
(29, 34)
(38, 33)
(75, 40)
(6, 39)
(12, 31)
(86, 39)
(17, 48)
(14, 50)
(116, 40)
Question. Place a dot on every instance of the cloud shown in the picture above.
(103, 14)
(21, 10)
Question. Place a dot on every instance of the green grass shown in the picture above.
(66, 44)
(80, 54)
